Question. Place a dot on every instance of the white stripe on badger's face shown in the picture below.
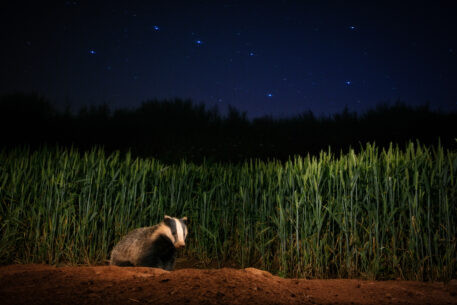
(179, 230)
(179, 242)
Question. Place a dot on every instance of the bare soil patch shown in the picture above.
(43, 284)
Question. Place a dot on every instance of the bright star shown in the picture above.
(352, 27)
(198, 42)
(348, 82)
(251, 54)
(156, 28)
(269, 95)
(92, 52)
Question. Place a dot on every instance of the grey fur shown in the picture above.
(141, 247)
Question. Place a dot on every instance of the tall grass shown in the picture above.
(376, 214)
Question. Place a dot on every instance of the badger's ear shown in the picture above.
(184, 219)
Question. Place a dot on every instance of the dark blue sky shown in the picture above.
(264, 57)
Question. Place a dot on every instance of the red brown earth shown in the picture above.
(42, 284)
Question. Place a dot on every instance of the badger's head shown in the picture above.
(178, 230)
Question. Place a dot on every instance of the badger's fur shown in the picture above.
(151, 246)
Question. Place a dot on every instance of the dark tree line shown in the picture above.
(177, 129)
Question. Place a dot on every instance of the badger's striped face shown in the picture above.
(178, 230)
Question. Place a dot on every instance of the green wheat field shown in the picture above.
(378, 214)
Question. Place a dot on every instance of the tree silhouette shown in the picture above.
(177, 129)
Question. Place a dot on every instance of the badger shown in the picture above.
(154, 246)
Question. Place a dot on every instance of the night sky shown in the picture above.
(265, 57)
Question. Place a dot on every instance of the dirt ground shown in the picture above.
(42, 284)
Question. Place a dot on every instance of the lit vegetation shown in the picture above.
(376, 214)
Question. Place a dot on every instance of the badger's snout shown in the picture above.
(180, 244)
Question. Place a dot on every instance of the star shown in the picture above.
(251, 54)
(348, 82)
(92, 52)
(269, 95)
(198, 42)
(351, 27)
(156, 27)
